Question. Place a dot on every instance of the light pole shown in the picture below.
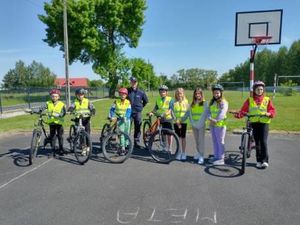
(66, 49)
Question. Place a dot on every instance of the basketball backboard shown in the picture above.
(258, 27)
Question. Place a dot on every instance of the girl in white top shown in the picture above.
(197, 114)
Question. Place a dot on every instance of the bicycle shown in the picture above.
(79, 139)
(38, 131)
(116, 144)
(162, 143)
(246, 141)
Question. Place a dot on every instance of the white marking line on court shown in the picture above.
(23, 174)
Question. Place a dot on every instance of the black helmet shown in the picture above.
(163, 88)
(80, 91)
(217, 87)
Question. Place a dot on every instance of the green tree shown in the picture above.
(98, 30)
(95, 83)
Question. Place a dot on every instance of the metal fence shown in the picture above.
(20, 98)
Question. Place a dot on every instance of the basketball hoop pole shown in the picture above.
(251, 77)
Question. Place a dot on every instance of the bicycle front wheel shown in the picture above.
(117, 147)
(35, 144)
(164, 145)
(245, 144)
(82, 147)
(146, 133)
(104, 132)
(72, 135)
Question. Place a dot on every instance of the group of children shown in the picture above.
(174, 114)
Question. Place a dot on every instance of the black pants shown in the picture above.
(137, 121)
(86, 123)
(260, 133)
(56, 130)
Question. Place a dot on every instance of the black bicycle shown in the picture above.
(162, 143)
(116, 144)
(37, 133)
(247, 141)
(79, 139)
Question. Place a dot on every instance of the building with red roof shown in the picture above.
(74, 82)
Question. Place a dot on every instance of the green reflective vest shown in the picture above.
(197, 111)
(55, 109)
(261, 109)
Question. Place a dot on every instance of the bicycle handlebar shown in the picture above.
(249, 115)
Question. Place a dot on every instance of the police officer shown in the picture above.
(138, 100)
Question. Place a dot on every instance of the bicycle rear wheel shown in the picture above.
(146, 133)
(245, 144)
(35, 144)
(82, 147)
(117, 147)
(164, 145)
(104, 132)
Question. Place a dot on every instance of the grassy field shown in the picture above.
(287, 119)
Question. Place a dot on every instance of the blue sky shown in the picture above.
(178, 34)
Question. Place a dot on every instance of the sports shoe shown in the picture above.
(85, 151)
(258, 165)
(183, 156)
(178, 156)
(201, 160)
(219, 162)
(197, 156)
(265, 165)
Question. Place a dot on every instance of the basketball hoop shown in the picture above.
(261, 40)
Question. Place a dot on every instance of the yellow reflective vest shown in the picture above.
(121, 107)
(55, 109)
(214, 111)
(180, 108)
(82, 107)
(164, 106)
(261, 109)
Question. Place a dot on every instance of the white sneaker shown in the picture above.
(265, 165)
(197, 156)
(178, 156)
(258, 165)
(201, 160)
(219, 162)
(183, 156)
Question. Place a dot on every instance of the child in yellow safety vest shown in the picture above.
(180, 108)
(218, 108)
(56, 110)
(122, 108)
(260, 105)
(163, 108)
(197, 114)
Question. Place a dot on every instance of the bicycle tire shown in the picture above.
(104, 132)
(113, 147)
(82, 147)
(244, 150)
(34, 145)
(158, 147)
(72, 135)
(146, 133)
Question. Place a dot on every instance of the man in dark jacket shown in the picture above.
(138, 100)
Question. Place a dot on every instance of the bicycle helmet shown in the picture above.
(163, 88)
(80, 91)
(258, 83)
(55, 91)
(217, 87)
(123, 91)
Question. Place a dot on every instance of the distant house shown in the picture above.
(74, 82)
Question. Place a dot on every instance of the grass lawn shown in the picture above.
(287, 119)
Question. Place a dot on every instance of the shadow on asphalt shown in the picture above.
(232, 167)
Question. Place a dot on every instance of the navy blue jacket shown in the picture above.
(138, 99)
